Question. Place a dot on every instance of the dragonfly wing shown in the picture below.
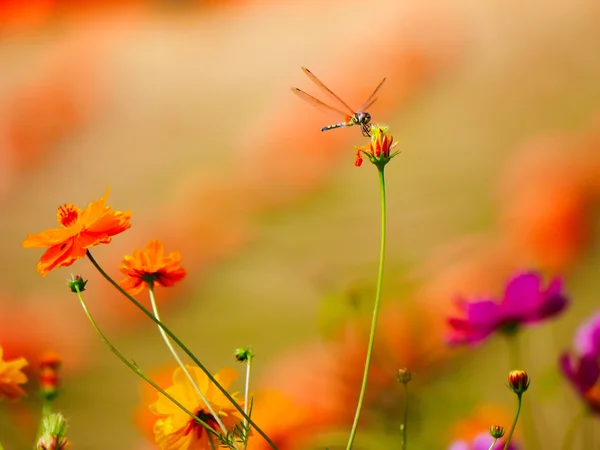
(371, 98)
(319, 83)
(368, 105)
(316, 102)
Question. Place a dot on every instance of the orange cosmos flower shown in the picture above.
(176, 430)
(11, 376)
(379, 149)
(150, 266)
(80, 230)
(289, 425)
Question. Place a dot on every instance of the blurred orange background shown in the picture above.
(183, 108)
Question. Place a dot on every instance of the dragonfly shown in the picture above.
(351, 116)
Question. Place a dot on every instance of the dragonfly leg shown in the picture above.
(366, 130)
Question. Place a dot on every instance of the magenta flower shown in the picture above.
(482, 441)
(583, 368)
(525, 301)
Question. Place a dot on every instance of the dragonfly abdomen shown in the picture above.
(337, 125)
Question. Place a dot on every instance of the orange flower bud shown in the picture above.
(49, 379)
(404, 375)
(518, 381)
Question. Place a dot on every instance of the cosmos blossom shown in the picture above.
(176, 430)
(11, 376)
(525, 301)
(582, 367)
(80, 229)
(151, 266)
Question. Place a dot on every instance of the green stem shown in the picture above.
(135, 368)
(183, 347)
(493, 444)
(363, 388)
(246, 394)
(247, 384)
(181, 365)
(46, 408)
(570, 434)
(514, 425)
(405, 420)
(516, 361)
(46, 411)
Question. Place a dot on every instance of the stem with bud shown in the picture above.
(514, 425)
(380, 169)
(135, 368)
(183, 347)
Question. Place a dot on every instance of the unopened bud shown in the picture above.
(518, 381)
(76, 283)
(244, 354)
(49, 379)
(497, 431)
(53, 437)
(404, 375)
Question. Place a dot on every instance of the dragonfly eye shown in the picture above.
(367, 117)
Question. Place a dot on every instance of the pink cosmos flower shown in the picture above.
(525, 301)
(482, 441)
(582, 369)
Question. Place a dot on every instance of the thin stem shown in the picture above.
(514, 425)
(246, 395)
(363, 388)
(516, 361)
(182, 347)
(46, 408)
(46, 411)
(405, 420)
(181, 364)
(573, 426)
(247, 386)
(136, 369)
(493, 444)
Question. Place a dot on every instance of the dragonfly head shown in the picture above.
(362, 118)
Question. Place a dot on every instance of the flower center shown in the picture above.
(68, 214)
(198, 428)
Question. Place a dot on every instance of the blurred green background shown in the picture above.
(184, 110)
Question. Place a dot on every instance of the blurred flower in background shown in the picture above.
(582, 369)
(525, 301)
(11, 376)
(471, 433)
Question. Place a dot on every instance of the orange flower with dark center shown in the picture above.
(175, 430)
(80, 230)
(11, 376)
(151, 267)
